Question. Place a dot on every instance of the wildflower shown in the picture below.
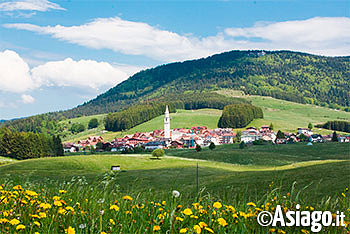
(251, 204)
(62, 191)
(14, 221)
(194, 217)
(56, 198)
(183, 230)
(103, 233)
(20, 227)
(70, 208)
(305, 231)
(18, 187)
(37, 223)
(70, 230)
(343, 194)
(187, 211)
(197, 229)
(114, 207)
(45, 206)
(127, 198)
(3, 220)
(82, 226)
(209, 229)
(31, 193)
(61, 211)
(180, 219)
(202, 224)
(222, 222)
(112, 221)
(176, 193)
(281, 231)
(217, 205)
(42, 215)
(156, 228)
(57, 203)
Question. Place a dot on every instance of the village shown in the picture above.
(181, 138)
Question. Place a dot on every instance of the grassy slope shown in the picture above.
(284, 115)
(269, 155)
(328, 175)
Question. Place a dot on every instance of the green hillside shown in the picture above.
(284, 115)
(287, 75)
(141, 173)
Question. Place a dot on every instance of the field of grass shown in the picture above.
(284, 174)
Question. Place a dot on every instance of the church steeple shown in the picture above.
(166, 123)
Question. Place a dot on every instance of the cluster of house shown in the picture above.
(179, 138)
(252, 134)
(200, 135)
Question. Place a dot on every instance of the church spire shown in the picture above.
(166, 123)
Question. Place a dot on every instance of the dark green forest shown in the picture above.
(24, 145)
(343, 126)
(292, 76)
(239, 115)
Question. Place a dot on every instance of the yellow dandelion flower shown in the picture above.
(180, 219)
(343, 194)
(57, 203)
(183, 230)
(163, 203)
(57, 198)
(112, 221)
(37, 223)
(281, 231)
(202, 224)
(18, 187)
(209, 229)
(156, 228)
(222, 222)
(62, 191)
(20, 227)
(42, 215)
(305, 231)
(31, 193)
(70, 230)
(197, 229)
(217, 205)
(45, 206)
(14, 221)
(187, 211)
(127, 198)
(114, 207)
(3, 220)
(70, 208)
(103, 233)
(251, 204)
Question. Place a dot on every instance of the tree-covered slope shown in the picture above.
(293, 76)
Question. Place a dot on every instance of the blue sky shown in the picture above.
(55, 55)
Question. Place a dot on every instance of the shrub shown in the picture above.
(93, 123)
(212, 146)
(198, 148)
(158, 153)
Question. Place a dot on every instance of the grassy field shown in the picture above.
(284, 115)
(265, 175)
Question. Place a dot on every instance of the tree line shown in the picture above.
(25, 145)
(239, 115)
(135, 115)
(337, 125)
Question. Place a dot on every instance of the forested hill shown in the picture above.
(292, 76)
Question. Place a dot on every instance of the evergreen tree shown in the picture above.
(280, 135)
(242, 145)
(271, 126)
(335, 137)
(58, 147)
(198, 148)
(212, 146)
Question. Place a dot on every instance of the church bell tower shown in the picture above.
(166, 123)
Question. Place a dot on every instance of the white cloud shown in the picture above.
(325, 36)
(320, 35)
(16, 76)
(27, 99)
(135, 38)
(29, 5)
(82, 73)
(14, 73)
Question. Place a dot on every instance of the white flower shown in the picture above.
(82, 226)
(176, 193)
